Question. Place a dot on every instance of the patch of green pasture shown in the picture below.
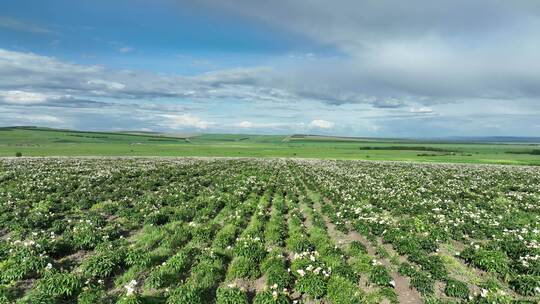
(44, 142)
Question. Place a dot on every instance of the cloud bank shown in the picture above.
(397, 68)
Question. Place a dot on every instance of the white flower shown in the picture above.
(49, 266)
(130, 287)
(484, 293)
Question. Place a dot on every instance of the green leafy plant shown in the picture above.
(91, 295)
(423, 282)
(101, 265)
(269, 297)
(131, 299)
(357, 248)
(243, 267)
(342, 291)
(527, 285)
(312, 285)
(186, 293)
(228, 295)
(59, 284)
(137, 256)
(457, 289)
(379, 275)
(250, 248)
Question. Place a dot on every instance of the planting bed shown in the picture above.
(186, 230)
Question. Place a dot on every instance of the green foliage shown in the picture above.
(91, 295)
(101, 265)
(84, 235)
(457, 289)
(311, 284)
(59, 284)
(526, 285)
(186, 294)
(423, 282)
(228, 295)
(208, 273)
(35, 296)
(225, 237)
(7, 293)
(243, 267)
(299, 243)
(203, 233)
(361, 263)
(266, 297)
(156, 218)
(357, 248)
(342, 291)
(132, 299)
(184, 226)
(137, 256)
(432, 264)
(489, 260)
(406, 269)
(172, 270)
(24, 262)
(379, 275)
(279, 276)
(250, 248)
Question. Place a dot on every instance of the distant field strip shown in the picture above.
(26, 141)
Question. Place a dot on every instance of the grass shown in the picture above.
(53, 142)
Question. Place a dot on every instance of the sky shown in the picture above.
(381, 68)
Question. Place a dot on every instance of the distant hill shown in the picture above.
(294, 137)
(128, 133)
(493, 139)
(450, 139)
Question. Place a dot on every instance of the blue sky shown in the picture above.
(371, 68)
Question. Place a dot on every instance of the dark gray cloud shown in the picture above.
(350, 22)
(436, 51)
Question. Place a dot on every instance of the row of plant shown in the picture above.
(86, 259)
(351, 263)
(390, 202)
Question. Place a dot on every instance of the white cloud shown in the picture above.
(421, 110)
(38, 118)
(184, 121)
(126, 49)
(110, 85)
(245, 124)
(22, 97)
(321, 124)
(373, 128)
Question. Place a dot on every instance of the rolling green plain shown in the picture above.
(31, 141)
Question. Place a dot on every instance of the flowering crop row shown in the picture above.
(187, 230)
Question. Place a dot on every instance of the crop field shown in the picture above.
(190, 230)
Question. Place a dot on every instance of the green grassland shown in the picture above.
(31, 141)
